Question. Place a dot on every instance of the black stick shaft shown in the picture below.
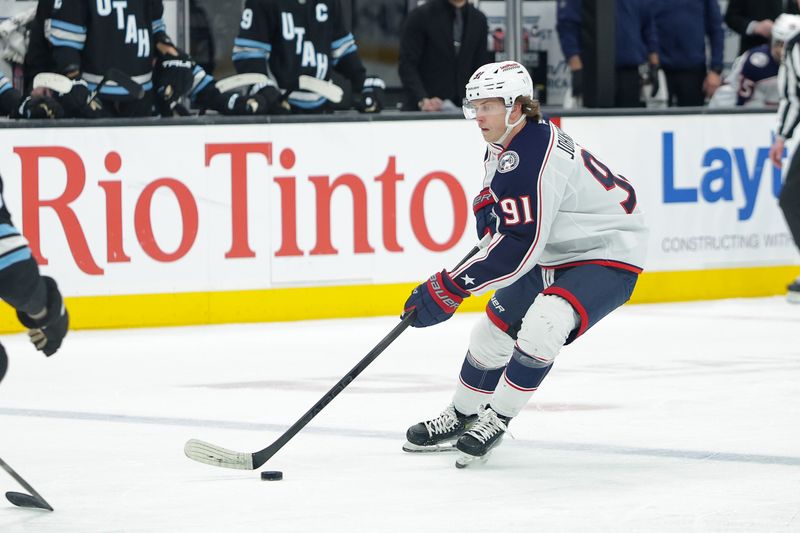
(262, 456)
(24, 483)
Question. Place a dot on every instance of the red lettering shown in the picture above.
(324, 192)
(388, 180)
(143, 224)
(113, 189)
(288, 218)
(31, 203)
(459, 200)
(114, 250)
(240, 246)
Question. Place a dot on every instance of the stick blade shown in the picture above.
(324, 88)
(238, 81)
(204, 452)
(20, 499)
(51, 80)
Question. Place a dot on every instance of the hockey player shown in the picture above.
(285, 39)
(13, 105)
(36, 298)
(788, 118)
(89, 37)
(753, 81)
(179, 76)
(568, 242)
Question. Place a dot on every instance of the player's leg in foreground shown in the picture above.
(578, 299)
(545, 328)
(490, 347)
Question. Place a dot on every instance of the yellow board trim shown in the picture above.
(312, 303)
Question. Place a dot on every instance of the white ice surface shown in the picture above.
(677, 417)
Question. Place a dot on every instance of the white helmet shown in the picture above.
(785, 28)
(507, 80)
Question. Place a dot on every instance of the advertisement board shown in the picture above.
(705, 183)
(154, 225)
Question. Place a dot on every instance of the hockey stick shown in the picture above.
(63, 85)
(20, 499)
(55, 82)
(116, 77)
(241, 80)
(211, 454)
(324, 88)
(328, 89)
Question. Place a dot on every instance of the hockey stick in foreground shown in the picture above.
(20, 499)
(211, 454)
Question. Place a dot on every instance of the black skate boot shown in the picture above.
(793, 294)
(486, 433)
(438, 434)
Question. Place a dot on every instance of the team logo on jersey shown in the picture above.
(759, 59)
(508, 162)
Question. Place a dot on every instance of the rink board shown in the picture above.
(158, 225)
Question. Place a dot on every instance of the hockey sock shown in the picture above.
(522, 377)
(475, 385)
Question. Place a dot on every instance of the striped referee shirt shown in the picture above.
(789, 89)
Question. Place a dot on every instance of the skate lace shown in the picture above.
(487, 425)
(442, 423)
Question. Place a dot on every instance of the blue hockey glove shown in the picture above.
(435, 300)
(485, 219)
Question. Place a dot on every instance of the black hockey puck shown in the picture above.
(272, 475)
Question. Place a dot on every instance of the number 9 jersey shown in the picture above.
(557, 206)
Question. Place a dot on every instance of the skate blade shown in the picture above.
(465, 459)
(436, 448)
(793, 297)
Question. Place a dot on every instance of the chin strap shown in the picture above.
(510, 127)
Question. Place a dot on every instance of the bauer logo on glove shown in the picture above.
(435, 300)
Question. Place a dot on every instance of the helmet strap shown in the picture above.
(510, 127)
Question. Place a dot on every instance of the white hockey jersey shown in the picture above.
(557, 206)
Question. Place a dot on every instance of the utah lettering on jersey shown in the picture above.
(305, 48)
(126, 22)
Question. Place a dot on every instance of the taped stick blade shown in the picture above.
(204, 452)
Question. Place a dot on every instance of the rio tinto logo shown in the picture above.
(282, 161)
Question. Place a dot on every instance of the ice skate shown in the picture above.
(793, 293)
(438, 434)
(478, 441)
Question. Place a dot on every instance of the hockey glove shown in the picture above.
(235, 104)
(36, 107)
(276, 104)
(79, 102)
(485, 219)
(371, 100)
(47, 332)
(174, 79)
(435, 300)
